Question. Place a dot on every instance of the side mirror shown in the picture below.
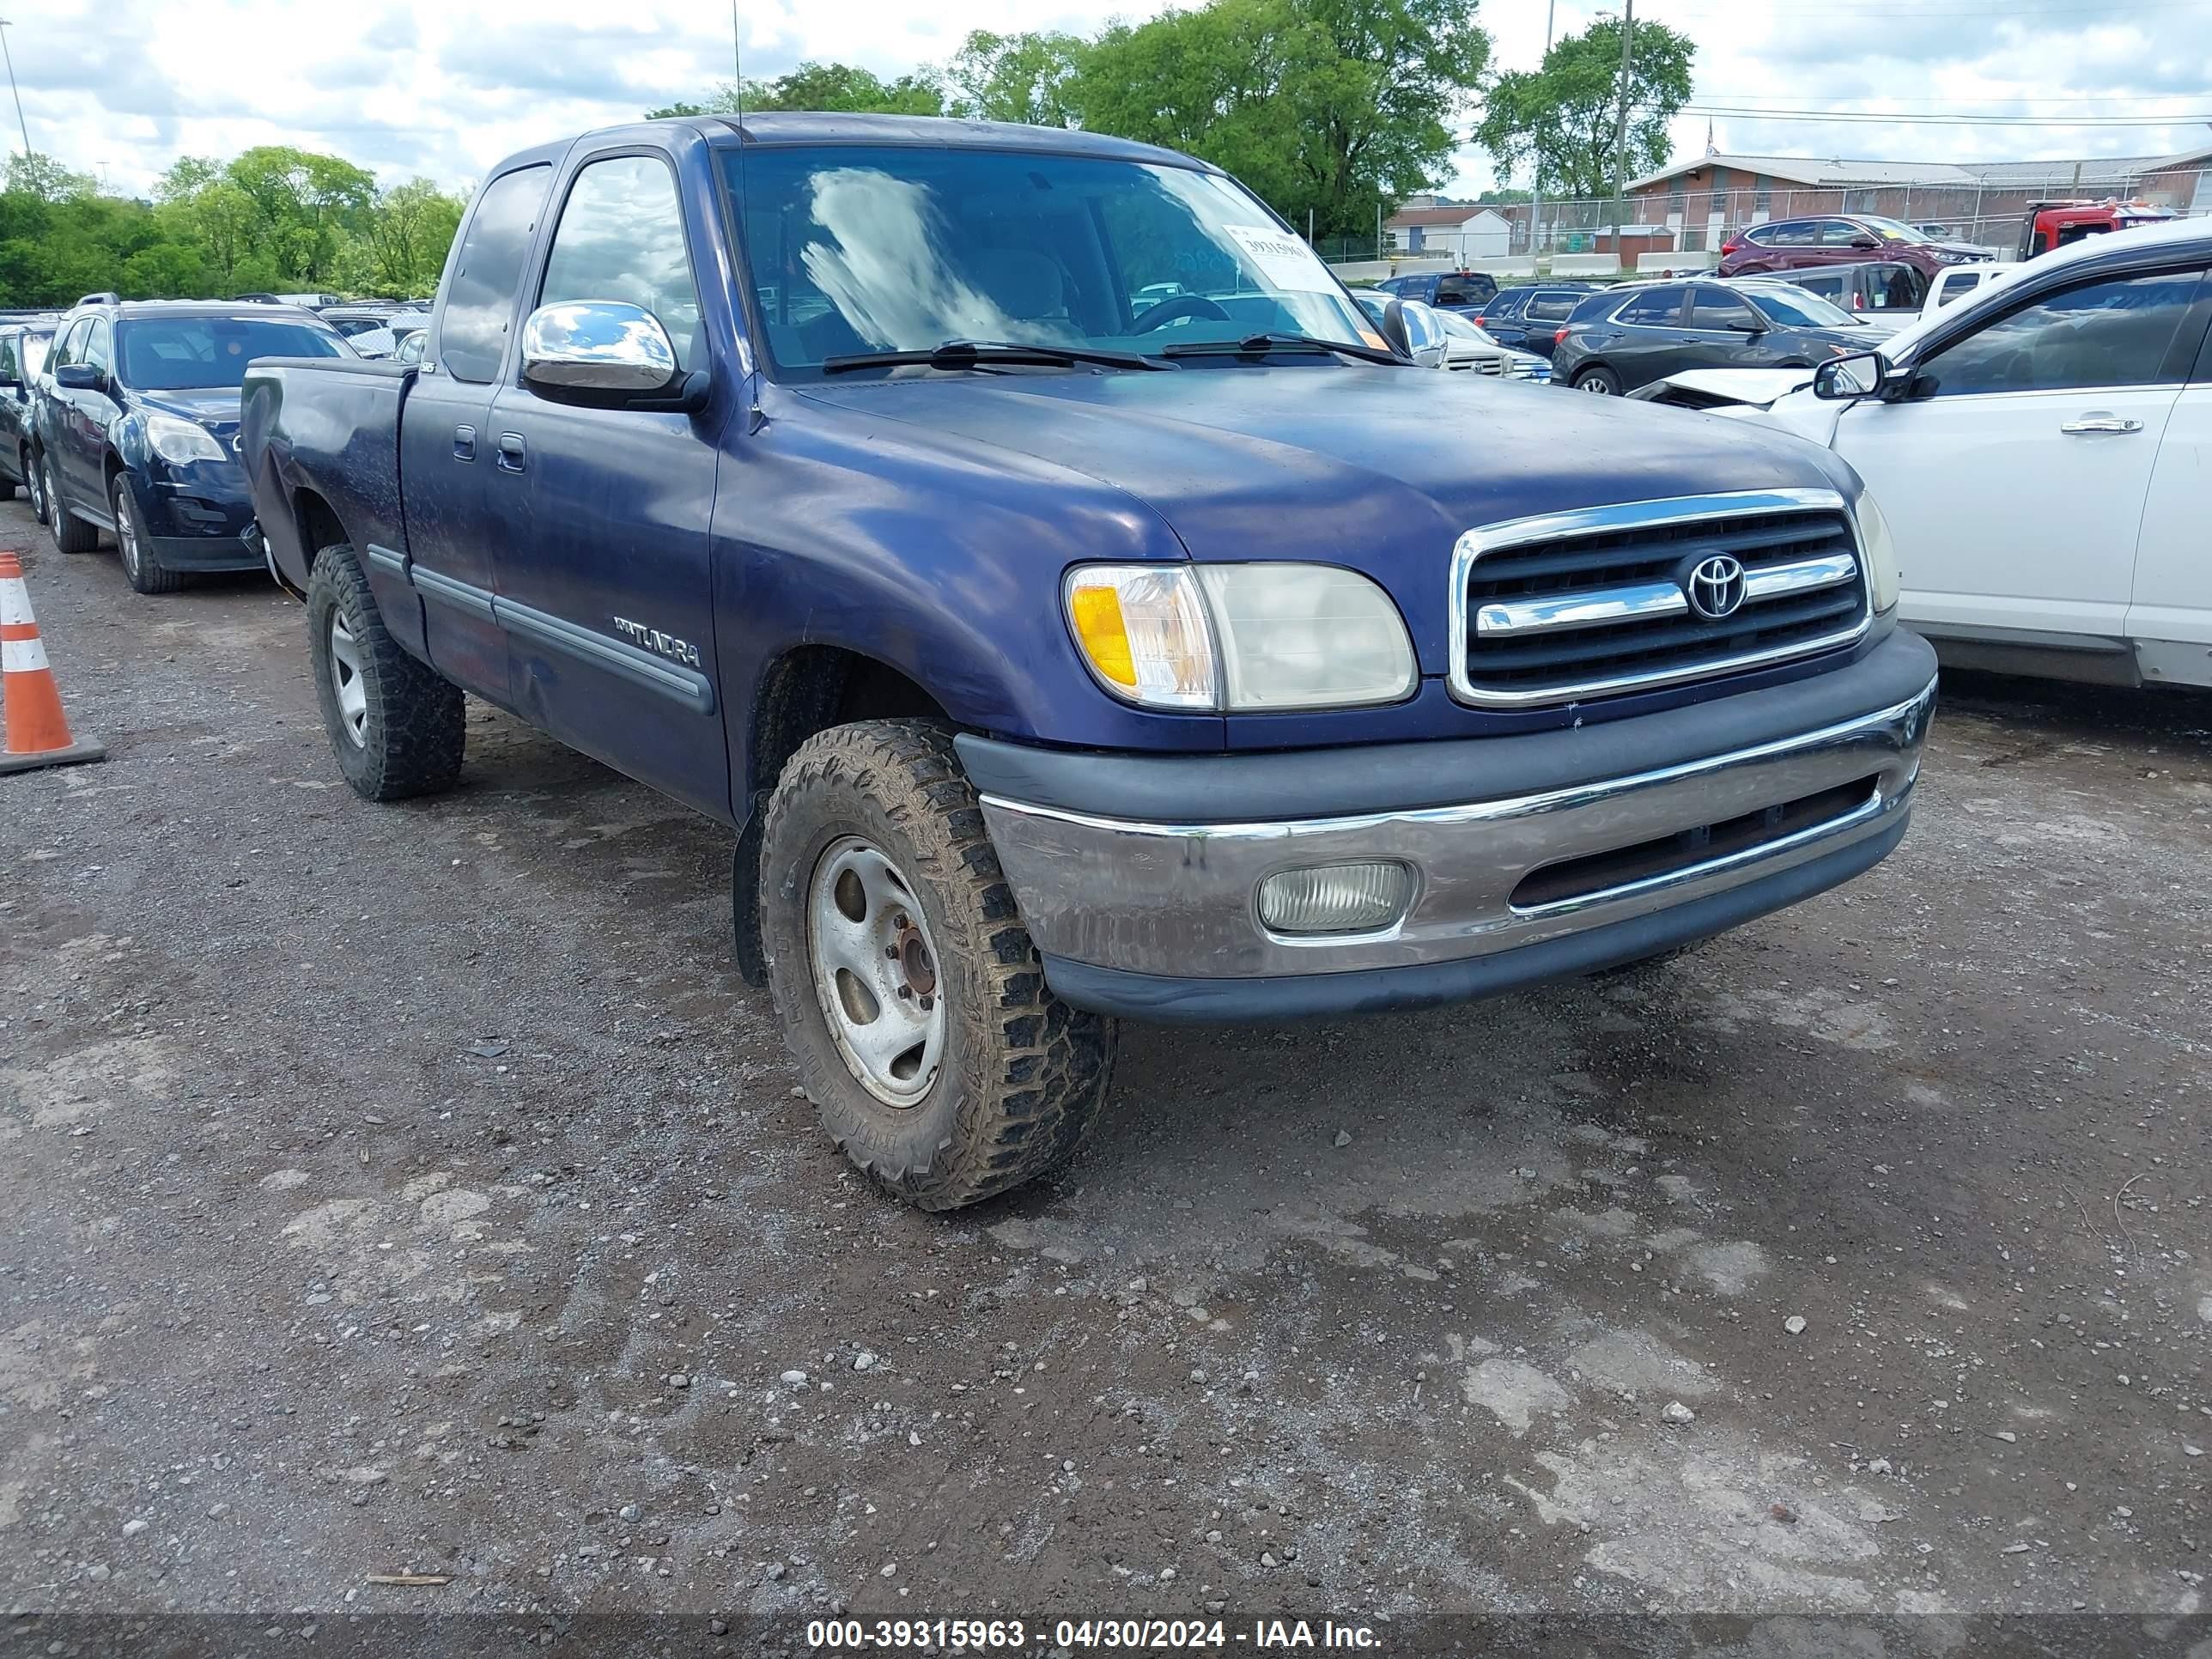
(1858, 376)
(1864, 240)
(598, 351)
(77, 377)
(1417, 332)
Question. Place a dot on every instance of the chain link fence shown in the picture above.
(1991, 212)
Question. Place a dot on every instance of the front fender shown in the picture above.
(939, 558)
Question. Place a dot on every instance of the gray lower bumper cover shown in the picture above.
(1157, 916)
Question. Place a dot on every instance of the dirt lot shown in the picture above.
(417, 1189)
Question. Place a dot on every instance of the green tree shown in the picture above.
(305, 205)
(839, 87)
(407, 233)
(1327, 106)
(1563, 118)
(1026, 77)
(45, 179)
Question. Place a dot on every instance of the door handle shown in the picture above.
(2102, 423)
(464, 443)
(509, 459)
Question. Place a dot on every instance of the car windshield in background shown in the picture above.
(1793, 307)
(861, 250)
(1893, 229)
(178, 354)
(34, 355)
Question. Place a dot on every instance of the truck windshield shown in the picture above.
(178, 354)
(859, 250)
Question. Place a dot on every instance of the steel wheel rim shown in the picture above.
(346, 681)
(126, 532)
(875, 969)
(35, 485)
(54, 496)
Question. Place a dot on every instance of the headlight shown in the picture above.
(178, 441)
(1881, 552)
(1240, 637)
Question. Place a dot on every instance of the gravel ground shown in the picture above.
(417, 1189)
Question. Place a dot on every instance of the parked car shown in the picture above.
(2048, 225)
(1205, 663)
(135, 423)
(1935, 232)
(409, 349)
(1468, 346)
(309, 302)
(1838, 239)
(1959, 281)
(1731, 391)
(2039, 446)
(1528, 319)
(353, 320)
(1642, 331)
(23, 354)
(1446, 290)
(1873, 288)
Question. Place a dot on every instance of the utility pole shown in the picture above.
(1536, 195)
(1620, 137)
(10, 58)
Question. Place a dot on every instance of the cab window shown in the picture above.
(1716, 309)
(99, 347)
(487, 268)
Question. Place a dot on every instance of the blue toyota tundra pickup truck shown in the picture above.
(1057, 656)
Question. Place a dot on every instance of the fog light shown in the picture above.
(1336, 898)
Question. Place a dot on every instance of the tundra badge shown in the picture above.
(653, 639)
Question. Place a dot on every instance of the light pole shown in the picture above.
(1536, 195)
(10, 59)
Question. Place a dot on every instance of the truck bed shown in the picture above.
(334, 454)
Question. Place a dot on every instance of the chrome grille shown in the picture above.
(1592, 603)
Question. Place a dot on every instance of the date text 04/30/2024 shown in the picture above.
(981, 1635)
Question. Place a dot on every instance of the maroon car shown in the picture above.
(1838, 239)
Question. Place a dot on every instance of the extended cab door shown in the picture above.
(608, 599)
(2171, 618)
(2016, 489)
(444, 442)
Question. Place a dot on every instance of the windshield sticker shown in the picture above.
(1283, 260)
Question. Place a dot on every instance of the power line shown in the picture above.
(1905, 119)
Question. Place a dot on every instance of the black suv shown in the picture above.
(23, 342)
(134, 430)
(1644, 331)
(1526, 318)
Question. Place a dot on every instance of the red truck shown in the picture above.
(2054, 224)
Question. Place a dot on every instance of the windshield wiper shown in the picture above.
(975, 354)
(1257, 345)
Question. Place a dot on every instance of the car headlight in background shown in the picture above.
(1881, 552)
(1240, 638)
(180, 441)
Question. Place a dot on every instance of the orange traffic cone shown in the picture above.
(38, 731)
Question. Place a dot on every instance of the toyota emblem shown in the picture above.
(1716, 586)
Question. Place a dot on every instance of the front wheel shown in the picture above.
(395, 724)
(138, 564)
(1602, 381)
(33, 484)
(911, 997)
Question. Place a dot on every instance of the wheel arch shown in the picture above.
(801, 691)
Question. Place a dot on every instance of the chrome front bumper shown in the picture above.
(1179, 900)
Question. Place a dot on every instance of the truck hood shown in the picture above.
(1378, 469)
(1353, 464)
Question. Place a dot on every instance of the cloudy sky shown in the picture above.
(444, 88)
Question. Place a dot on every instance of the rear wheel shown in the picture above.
(1602, 381)
(394, 723)
(138, 564)
(911, 997)
(71, 535)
